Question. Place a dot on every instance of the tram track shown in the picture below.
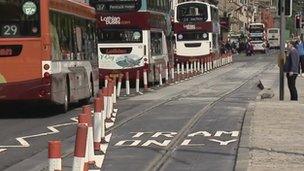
(159, 162)
(173, 98)
(142, 113)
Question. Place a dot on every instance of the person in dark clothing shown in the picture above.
(292, 68)
(228, 46)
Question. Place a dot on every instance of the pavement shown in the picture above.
(272, 134)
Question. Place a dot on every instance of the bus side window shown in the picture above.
(56, 52)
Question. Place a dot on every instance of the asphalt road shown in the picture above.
(194, 125)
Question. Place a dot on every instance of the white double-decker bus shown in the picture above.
(196, 29)
(133, 36)
(273, 37)
(257, 36)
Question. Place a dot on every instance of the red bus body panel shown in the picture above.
(21, 75)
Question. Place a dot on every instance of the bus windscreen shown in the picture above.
(116, 5)
(120, 36)
(192, 12)
(273, 31)
(19, 18)
(256, 30)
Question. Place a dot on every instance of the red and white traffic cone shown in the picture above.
(113, 99)
(167, 74)
(160, 75)
(172, 74)
(205, 65)
(194, 68)
(178, 72)
(127, 84)
(183, 71)
(106, 81)
(191, 69)
(137, 81)
(119, 85)
(80, 148)
(145, 79)
(209, 63)
(87, 119)
(202, 66)
(198, 64)
(87, 110)
(55, 162)
(99, 124)
(114, 90)
(107, 105)
(231, 58)
(187, 70)
(224, 56)
(218, 62)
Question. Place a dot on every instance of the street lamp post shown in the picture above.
(282, 47)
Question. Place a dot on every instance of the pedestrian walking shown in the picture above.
(300, 48)
(291, 68)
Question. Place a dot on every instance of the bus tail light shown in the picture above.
(42, 93)
(46, 75)
(46, 67)
(46, 72)
(145, 50)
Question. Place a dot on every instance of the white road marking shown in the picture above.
(100, 158)
(109, 124)
(232, 133)
(204, 133)
(187, 142)
(25, 144)
(108, 137)
(223, 142)
(2, 150)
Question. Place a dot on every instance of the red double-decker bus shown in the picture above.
(47, 51)
(133, 35)
(196, 29)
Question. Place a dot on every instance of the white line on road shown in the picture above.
(223, 142)
(2, 150)
(53, 130)
(25, 144)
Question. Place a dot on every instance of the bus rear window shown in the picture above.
(19, 18)
(120, 36)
